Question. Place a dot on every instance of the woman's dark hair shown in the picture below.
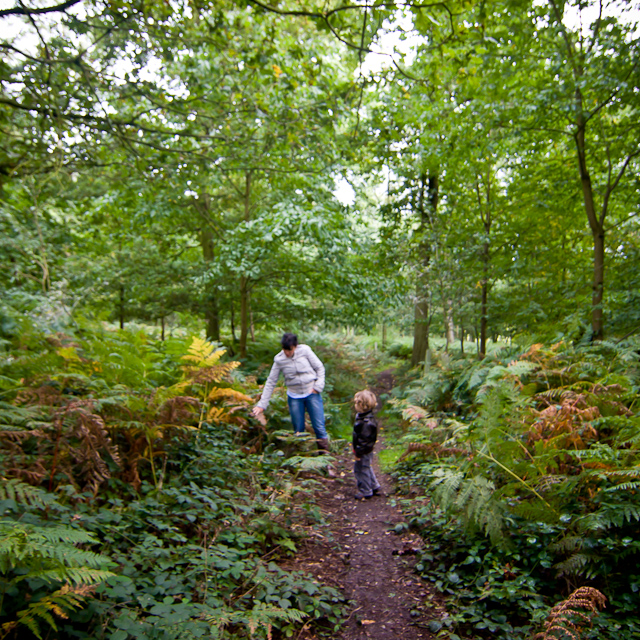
(289, 340)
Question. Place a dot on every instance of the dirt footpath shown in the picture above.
(360, 552)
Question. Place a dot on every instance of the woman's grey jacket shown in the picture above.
(303, 372)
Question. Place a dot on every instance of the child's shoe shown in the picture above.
(378, 491)
(361, 496)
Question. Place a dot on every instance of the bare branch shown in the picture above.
(570, 50)
(50, 61)
(325, 16)
(611, 187)
(594, 35)
(35, 26)
(25, 11)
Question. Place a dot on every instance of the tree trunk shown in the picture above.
(597, 312)
(420, 327)
(485, 257)
(251, 329)
(162, 328)
(244, 317)
(596, 224)
(121, 309)
(483, 309)
(211, 311)
(422, 317)
(244, 281)
(233, 325)
(449, 328)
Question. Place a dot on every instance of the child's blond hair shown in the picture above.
(364, 400)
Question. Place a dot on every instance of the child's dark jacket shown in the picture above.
(365, 433)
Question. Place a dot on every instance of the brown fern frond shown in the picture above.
(230, 394)
(213, 374)
(546, 482)
(179, 410)
(414, 447)
(47, 394)
(568, 617)
(34, 475)
(262, 419)
(85, 444)
(432, 448)
(217, 415)
(414, 413)
(608, 389)
(69, 440)
(568, 414)
(532, 353)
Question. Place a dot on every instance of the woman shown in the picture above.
(304, 376)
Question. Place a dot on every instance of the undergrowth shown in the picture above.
(140, 500)
(524, 473)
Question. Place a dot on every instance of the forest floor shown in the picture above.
(359, 551)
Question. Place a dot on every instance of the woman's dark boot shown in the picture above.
(323, 444)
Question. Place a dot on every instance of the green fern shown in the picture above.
(568, 544)
(446, 483)
(609, 516)
(574, 565)
(474, 499)
(624, 486)
(24, 494)
(19, 418)
(261, 617)
(621, 473)
(59, 603)
(50, 555)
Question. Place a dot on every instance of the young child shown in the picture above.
(365, 433)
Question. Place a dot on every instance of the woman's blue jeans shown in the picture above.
(313, 405)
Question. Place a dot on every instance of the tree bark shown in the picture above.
(244, 316)
(244, 281)
(484, 315)
(422, 317)
(420, 326)
(449, 328)
(233, 325)
(211, 311)
(485, 257)
(251, 328)
(596, 224)
(121, 309)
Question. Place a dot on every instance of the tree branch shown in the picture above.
(611, 187)
(25, 11)
(613, 94)
(594, 35)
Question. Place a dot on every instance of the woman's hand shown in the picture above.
(256, 411)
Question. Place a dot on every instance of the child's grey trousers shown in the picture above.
(365, 478)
